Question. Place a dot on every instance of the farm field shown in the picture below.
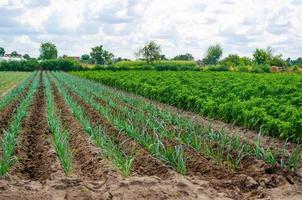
(8, 80)
(269, 103)
(65, 137)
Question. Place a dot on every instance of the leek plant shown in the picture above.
(9, 140)
(172, 156)
(98, 135)
(185, 131)
(60, 136)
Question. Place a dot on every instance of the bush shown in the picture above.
(243, 68)
(176, 65)
(24, 65)
(159, 65)
(61, 64)
(217, 68)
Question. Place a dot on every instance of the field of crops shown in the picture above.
(270, 103)
(65, 137)
(8, 80)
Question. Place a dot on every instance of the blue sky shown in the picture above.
(179, 26)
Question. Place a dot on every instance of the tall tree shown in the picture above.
(14, 54)
(163, 57)
(48, 51)
(85, 57)
(26, 56)
(185, 57)
(2, 51)
(261, 56)
(101, 56)
(150, 52)
(213, 55)
(231, 60)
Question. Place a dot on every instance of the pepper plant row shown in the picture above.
(271, 103)
(196, 136)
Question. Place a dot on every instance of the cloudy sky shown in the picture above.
(179, 26)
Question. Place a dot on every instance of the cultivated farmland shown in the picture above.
(68, 137)
(270, 103)
(9, 80)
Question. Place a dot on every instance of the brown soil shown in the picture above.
(252, 180)
(7, 113)
(35, 153)
(94, 177)
(143, 164)
(217, 125)
(88, 162)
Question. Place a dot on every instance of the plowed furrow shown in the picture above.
(144, 163)
(36, 157)
(88, 162)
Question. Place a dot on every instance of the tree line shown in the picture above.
(150, 53)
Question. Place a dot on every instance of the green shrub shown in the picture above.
(243, 68)
(61, 64)
(159, 65)
(24, 65)
(217, 68)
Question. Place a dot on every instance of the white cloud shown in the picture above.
(180, 26)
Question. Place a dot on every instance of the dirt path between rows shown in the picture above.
(143, 164)
(88, 162)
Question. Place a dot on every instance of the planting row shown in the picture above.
(159, 130)
(270, 103)
(136, 137)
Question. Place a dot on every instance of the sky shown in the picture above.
(179, 26)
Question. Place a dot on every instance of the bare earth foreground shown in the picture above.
(37, 174)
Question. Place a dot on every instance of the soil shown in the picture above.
(217, 125)
(9, 110)
(143, 164)
(35, 154)
(243, 184)
(37, 174)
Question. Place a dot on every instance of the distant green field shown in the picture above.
(10, 79)
(271, 103)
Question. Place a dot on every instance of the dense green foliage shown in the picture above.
(213, 55)
(185, 57)
(24, 65)
(48, 51)
(158, 65)
(267, 102)
(101, 56)
(60, 64)
(2, 51)
(150, 52)
(144, 122)
(33, 64)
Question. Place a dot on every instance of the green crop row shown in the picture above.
(271, 103)
(97, 134)
(147, 117)
(60, 136)
(9, 140)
